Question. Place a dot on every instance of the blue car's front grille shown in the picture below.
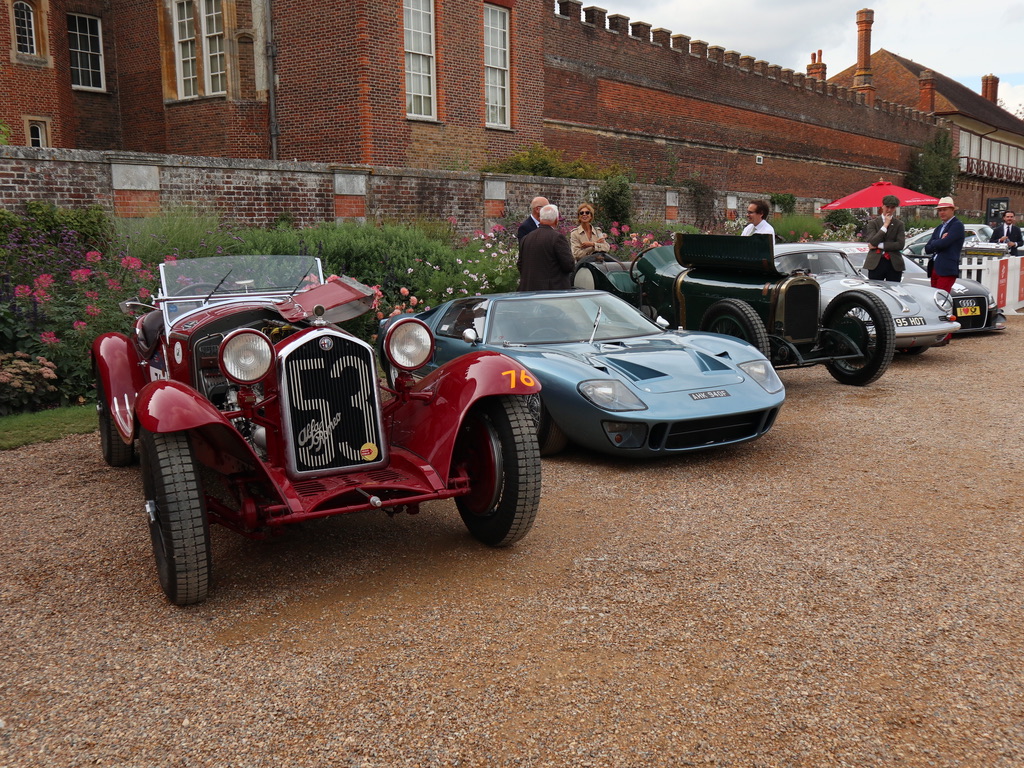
(714, 430)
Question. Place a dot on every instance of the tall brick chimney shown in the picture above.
(990, 88)
(816, 68)
(926, 89)
(862, 77)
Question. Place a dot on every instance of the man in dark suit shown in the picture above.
(945, 245)
(887, 235)
(532, 221)
(545, 256)
(1008, 233)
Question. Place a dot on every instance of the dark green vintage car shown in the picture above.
(730, 285)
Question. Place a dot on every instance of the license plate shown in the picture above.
(903, 322)
(709, 394)
(963, 311)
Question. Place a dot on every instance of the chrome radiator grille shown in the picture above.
(330, 403)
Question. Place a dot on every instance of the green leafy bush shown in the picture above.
(784, 201)
(840, 218)
(539, 160)
(614, 200)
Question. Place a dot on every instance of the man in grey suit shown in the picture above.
(545, 256)
(887, 235)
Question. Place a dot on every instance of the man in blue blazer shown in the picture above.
(1008, 233)
(532, 221)
(945, 245)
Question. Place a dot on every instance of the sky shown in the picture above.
(938, 34)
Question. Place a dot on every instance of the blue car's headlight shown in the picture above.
(762, 372)
(611, 395)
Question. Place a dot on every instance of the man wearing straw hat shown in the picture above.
(887, 235)
(945, 245)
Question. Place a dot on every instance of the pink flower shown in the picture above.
(404, 291)
(413, 301)
(79, 325)
(615, 231)
(625, 228)
(92, 294)
(92, 310)
(23, 291)
(49, 337)
(93, 256)
(170, 259)
(130, 262)
(144, 293)
(113, 285)
(41, 295)
(80, 275)
(43, 282)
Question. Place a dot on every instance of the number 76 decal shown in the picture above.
(524, 378)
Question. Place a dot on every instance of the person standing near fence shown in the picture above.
(1007, 233)
(887, 236)
(945, 245)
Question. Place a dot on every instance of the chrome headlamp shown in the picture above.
(408, 344)
(246, 356)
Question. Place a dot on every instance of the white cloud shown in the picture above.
(938, 35)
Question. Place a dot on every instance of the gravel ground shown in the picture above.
(845, 591)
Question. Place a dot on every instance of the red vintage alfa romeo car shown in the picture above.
(250, 408)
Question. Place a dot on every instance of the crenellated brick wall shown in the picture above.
(669, 107)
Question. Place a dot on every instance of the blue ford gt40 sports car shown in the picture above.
(611, 379)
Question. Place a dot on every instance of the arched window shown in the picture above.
(25, 28)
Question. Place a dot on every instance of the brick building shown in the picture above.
(438, 85)
(988, 140)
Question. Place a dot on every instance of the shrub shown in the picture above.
(784, 201)
(840, 218)
(26, 383)
(539, 160)
(614, 200)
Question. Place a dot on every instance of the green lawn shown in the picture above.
(44, 426)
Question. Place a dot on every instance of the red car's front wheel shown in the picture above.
(497, 450)
(176, 507)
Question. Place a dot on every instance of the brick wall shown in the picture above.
(671, 107)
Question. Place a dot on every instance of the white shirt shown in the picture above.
(763, 228)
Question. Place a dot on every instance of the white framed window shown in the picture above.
(496, 96)
(85, 48)
(213, 45)
(37, 130)
(420, 96)
(25, 29)
(185, 49)
(200, 49)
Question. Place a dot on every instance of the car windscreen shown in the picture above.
(565, 318)
(238, 275)
(814, 262)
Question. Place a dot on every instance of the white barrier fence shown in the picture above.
(1003, 275)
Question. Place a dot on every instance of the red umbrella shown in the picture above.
(871, 197)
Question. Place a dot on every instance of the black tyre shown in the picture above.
(497, 450)
(550, 437)
(116, 452)
(737, 318)
(176, 507)
(865, 319)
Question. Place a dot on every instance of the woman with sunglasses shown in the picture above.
(588, 242)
